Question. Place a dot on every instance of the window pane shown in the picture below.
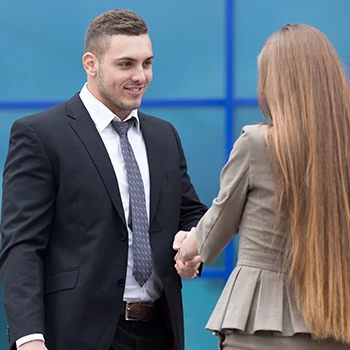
(246, 116)
(200, 297)
(42, 53)
(254, 21)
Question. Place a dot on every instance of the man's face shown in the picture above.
(123, 73)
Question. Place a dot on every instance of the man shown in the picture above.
(93, 194)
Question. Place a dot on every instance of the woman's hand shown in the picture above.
(187, 258)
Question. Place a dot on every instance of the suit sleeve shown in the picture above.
(27, 213)
(191, 207)
(220, 224)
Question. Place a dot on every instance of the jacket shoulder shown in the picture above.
(154, 120)
(256, 132)
(50, 115)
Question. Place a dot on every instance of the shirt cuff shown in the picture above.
(28, 338)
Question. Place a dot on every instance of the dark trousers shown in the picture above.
(139, 335)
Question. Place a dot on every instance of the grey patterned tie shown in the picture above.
(140, 228)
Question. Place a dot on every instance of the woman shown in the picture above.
(286, 186)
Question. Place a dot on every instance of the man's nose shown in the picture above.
(139, 75)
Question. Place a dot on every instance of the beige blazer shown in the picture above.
(255, 297)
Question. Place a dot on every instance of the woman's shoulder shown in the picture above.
(255, 135)
(257, 131)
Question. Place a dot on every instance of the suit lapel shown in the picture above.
(86, 130)
(154, 162)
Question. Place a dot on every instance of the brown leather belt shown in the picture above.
(138, 312)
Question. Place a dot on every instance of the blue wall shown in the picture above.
(205, 67)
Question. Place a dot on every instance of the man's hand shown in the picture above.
(33, 345)
(179, 238)
(189, 270)
(185, 244)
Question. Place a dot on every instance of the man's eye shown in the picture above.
(147, 64)
(125, 64)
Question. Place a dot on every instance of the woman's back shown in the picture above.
(257, 299)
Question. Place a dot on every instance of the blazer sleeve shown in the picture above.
(27, 213)
(220, 224)
(191, 207)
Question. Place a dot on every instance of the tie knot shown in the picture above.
(122, 127)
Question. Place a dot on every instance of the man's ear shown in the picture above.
(90, 63)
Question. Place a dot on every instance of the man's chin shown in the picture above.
(132, 106)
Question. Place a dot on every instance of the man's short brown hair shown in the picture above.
(114, 22)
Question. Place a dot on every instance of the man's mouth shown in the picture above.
(135, 91)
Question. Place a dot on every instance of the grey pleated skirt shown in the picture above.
(266, 341)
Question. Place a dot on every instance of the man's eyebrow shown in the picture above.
(126, 58)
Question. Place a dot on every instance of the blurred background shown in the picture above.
(205, 79)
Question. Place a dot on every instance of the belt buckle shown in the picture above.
(127, 310)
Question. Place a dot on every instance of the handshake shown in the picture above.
(187, 259)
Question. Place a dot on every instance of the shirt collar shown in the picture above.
(100, 114)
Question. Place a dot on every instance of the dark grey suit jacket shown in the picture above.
(64, 253)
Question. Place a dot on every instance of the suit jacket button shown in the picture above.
(123, 236)
(121, 282)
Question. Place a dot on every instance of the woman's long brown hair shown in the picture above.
(304, 90)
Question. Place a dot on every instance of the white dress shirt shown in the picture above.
(102, 118)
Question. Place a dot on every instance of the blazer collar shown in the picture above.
(100, 114)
